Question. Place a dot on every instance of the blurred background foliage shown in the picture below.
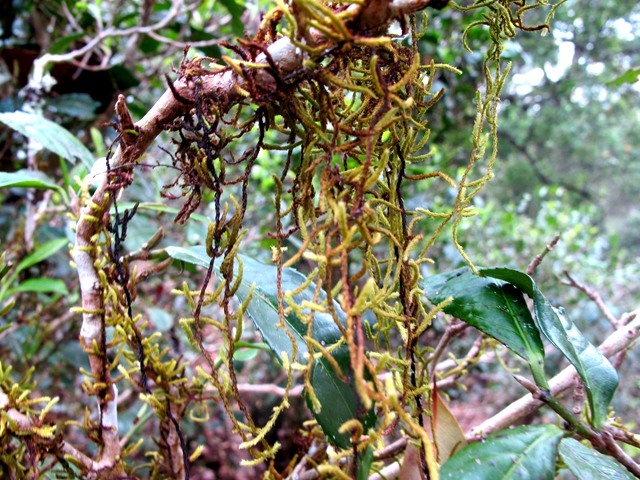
(568, 164)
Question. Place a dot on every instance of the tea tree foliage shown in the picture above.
(342, 105)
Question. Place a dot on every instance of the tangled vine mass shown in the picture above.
(348, 104)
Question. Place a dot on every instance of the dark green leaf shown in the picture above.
(492, 306)
(26, 179)
(630, 76)
(598, 375)
(49, 134)
(338, 400)
(587, 464)
(123, 77)
(365, 459)
(236, 12)
(149, 45)
(62, 45)
(43, 252)
(524, 452)
(77, 105)
(212, 51)
(41, 285)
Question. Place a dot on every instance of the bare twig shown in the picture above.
(178, 44)
(578, 397)
(40, 64)
(623, 435)
(455, 328)
(390, 471)
(538, 258)
(470, 358)
(392, 449)
(614, 449)
(269, 388)
(593, 295)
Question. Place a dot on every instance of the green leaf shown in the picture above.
(527, 452)
(6, 308)
(62, 45)
(236, 12)
(123, 77)
(49, 134)
(77, 105)
(587, 464)
(598, 375)
(162, 320)
(26, 179)
(43, 252)
(199, 36)
(245, 354)
(630, 76)
(365, 459)
(338, 399)
(493, 307)
(41, 285)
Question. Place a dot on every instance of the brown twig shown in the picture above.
(593, 295)
(470, 358)
(392, 449)
(271, 389)
(538, 258)
(613, 449)
(455, 328)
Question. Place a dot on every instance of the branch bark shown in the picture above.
(617, 342)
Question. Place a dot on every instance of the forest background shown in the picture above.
(567, 165)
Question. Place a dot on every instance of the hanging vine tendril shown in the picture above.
(350, 107)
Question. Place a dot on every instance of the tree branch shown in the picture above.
(617, 342)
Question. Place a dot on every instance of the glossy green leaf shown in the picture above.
(598, 375)
(338, 400)
(49, 134)
(493, 307)
(41, 253)
(41, 285)
(527, 452)
(26, 179)
(588, 464)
